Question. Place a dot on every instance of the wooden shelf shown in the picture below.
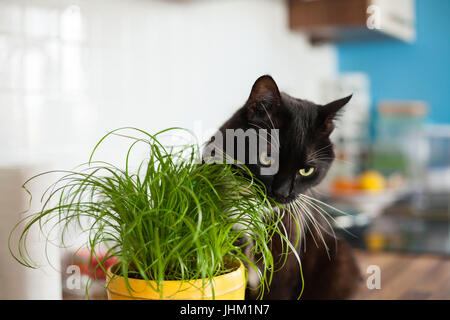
(353, 20)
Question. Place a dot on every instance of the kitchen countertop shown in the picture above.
(405, 276)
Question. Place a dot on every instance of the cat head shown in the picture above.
(299, 149)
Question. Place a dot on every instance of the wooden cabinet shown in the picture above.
(348, 20)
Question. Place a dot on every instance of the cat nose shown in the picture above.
(282, 190)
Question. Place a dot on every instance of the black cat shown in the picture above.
(304, 154)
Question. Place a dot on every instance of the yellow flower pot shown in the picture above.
(229, 286)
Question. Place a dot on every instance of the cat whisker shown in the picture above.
(268, 115)
(327, 159)
(299, 219)
(329, 215)
(298, 215)
(273, 140)
(315, 190)
(325, 215)
(306, 211)
(322, 212)
(326, 205)
(320, 154)
(320, 227)
(319, 150)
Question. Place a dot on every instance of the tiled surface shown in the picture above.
(69, 73)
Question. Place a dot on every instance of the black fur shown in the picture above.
(304, 130)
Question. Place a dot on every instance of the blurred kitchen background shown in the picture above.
(71, 70)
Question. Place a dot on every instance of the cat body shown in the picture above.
(303, 154)
(329, 270)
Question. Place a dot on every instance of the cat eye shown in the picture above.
(306, 172)
(265, 159)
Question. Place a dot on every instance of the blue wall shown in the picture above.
(398, 70)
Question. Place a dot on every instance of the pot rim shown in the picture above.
(110, 275)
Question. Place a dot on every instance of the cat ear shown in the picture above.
(264, 100)
(330, 111)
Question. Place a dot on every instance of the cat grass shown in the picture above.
(171, 219)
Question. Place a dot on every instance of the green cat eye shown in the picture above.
(306, 172)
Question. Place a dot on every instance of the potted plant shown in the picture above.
(170, 224)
